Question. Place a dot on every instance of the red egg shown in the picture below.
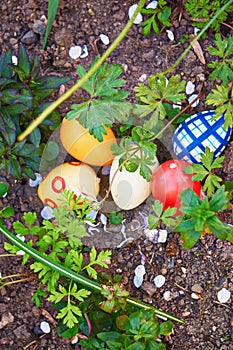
(169, 180)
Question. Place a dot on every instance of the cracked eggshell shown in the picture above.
(196, 133)
(129, 189)
(78, 142)
(74, 176)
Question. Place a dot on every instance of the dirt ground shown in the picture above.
(206, 268)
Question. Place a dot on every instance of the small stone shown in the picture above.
(184, 270)
(194, 296)
(137, 281)
(85, 52)
(74, 340)
(162, 236)
(131, 11)
(159, 281)
(45, 327)
(47, 213)
(224, 295)
(30, 38)
(196, 288)
(170, 35)
(149, 288)
(191, 98)
(14, 60)
(105, 39)
(37, 181)
(6, 318)
(75, 52)
(142, 78)
(167, 295)
(152, 5)
(190, 87)
(140, 270)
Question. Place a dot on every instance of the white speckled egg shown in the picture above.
(198, 132)
(129, 189)
(78, 142)
(75, 176)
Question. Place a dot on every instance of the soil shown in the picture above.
(203, 270)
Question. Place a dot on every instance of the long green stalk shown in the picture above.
(80, 82)
(74, 276)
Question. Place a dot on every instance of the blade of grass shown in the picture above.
(52, 10)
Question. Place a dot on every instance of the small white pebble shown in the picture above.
(103, 219)
(214, 328)
(92, 214)
(0, 275)
(85, 52)
(152, 5)
(159, 281)
(167, 295)
(140, 270)
(37, 181)
(174, 105)
(131, 11)
(190, 87)
(75, 52)
(105, 39)
(20, 252)
(14, 60)
(196, 30)
(224, 295)
(191, 98)
(184, 270)
(22, 238)
(162, 236)
(170, 35)
(74, 340)
(142, 78)
(194, 296)
(45, 327)
(47, 213)
(137, 281)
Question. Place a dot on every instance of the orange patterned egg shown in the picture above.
(78, 142)
(75, 176)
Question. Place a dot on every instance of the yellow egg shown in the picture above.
(78, 142)
(129, 189)
(75, 176)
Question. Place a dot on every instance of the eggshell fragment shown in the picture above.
(75, 52)
(105, 39)
(78, 142)
(224, 295)
(74, 176)
(131, 11)
(129, 189)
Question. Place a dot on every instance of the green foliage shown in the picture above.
(6, 213)
(222, 99)
(202, 11)
(60, 241)
(156, 97)
(116, 218)
(159, 15)
(205, 171)
(52, 10)
(105, 104)
(137, 152)
(3, 188)
(23, 95)
(115, 296)
(200, 217)
(223, 69)
(165, 216)
(140, 330)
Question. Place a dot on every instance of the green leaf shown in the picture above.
(166, 328)
(189, 238)
(220, 200)
(116, 218)
(7, 212)
(3, 188)
(23, 63)
(52, 10)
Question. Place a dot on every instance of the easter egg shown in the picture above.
(75, 176)
(78, 142)
(169, 180)
(198, 132)
(129, 189)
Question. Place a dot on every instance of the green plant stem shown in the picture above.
(74, 276)
(80, 82)
(181, 57)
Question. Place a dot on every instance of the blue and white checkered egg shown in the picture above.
(198, 132)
